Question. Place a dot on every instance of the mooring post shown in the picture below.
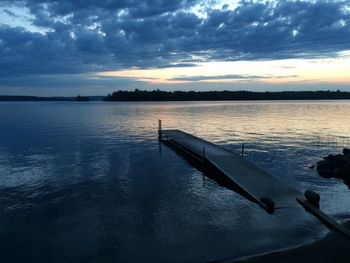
(242, 149)
(160, 129)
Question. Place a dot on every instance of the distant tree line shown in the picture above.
(158, 95)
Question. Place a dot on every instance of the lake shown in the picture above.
(89, 181)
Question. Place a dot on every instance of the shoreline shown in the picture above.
(331, 248)
(211, 95)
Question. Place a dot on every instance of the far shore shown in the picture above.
(215, 95)
(159, 95)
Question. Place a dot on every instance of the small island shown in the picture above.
(159, 95)
(82, 98)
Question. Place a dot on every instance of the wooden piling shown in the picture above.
(160, 129)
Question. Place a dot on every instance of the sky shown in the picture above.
(70, 47)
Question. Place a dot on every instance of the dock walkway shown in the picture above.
(252, 180)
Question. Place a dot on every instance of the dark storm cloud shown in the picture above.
(92, 36)
(136, 7)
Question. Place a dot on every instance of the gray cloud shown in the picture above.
(67, 80)
(92, 36)
(230, 76)
(8, 12)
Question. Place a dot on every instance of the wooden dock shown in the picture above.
(254, 182)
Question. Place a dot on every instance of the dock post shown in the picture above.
(160, 129)
(242, 149)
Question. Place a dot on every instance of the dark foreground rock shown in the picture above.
(346, 151)
(337, 166)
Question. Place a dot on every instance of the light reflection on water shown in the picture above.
(86, 181)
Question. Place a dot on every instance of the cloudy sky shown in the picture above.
(70, 47)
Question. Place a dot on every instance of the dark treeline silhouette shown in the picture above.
(158, 95)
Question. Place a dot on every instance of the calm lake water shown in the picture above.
(89, 182)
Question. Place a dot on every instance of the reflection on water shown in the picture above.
(86, 181)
